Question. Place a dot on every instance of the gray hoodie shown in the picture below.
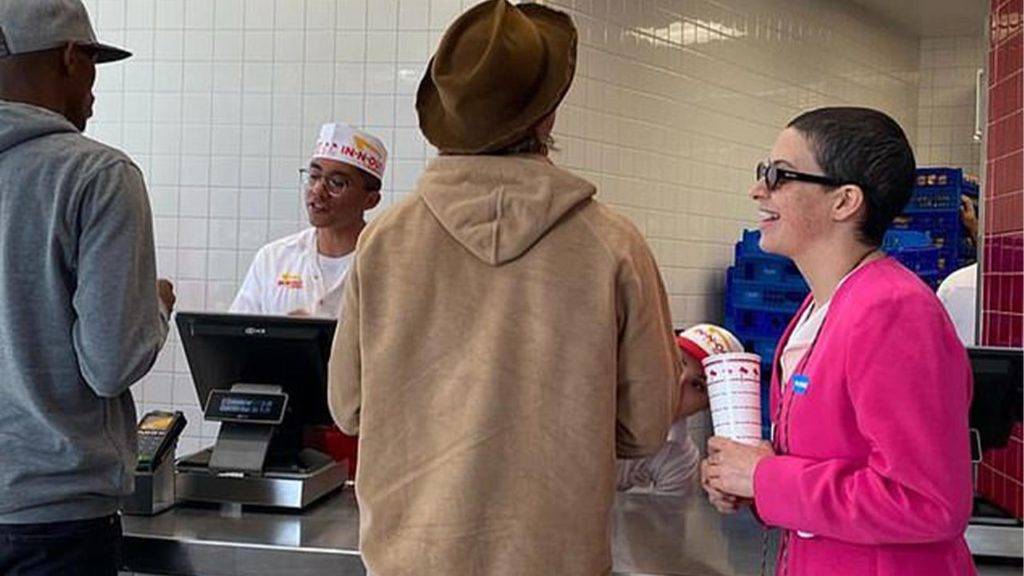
(79, 318)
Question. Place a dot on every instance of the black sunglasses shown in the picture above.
(773, 176)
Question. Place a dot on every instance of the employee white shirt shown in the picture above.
(959, 293)
(289, 276)
(801, 339)
(672, 470)
(804, 334)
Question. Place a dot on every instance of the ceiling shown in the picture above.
(928, 18)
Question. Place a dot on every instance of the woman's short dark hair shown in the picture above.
(868, 148)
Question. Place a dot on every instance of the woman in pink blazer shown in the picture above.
(868, 471)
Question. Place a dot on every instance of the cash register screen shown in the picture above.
(245, 407)
(290, 352)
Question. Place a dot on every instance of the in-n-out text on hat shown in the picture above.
(343, 143)
(703, 340)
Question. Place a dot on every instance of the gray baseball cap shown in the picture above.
(35, 25)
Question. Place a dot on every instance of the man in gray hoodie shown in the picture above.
(82, 315)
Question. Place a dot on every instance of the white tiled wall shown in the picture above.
(946, 103)
(673, 104)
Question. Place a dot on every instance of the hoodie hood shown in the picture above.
(20, 123)
(497, 207)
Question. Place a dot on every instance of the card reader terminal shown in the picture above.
(157, 434)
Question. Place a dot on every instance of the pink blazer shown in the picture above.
(874, 472)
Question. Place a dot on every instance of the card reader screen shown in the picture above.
(158, 422)
(229, 406)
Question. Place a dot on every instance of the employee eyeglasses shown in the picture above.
(334, 184)
(773, 176)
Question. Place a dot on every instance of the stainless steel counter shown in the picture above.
(683, 536)
(652, 535)
(655, 535)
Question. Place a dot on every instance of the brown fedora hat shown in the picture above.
(498, 71)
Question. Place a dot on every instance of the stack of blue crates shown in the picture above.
(762, 293)
(916, 251)
(934, 208)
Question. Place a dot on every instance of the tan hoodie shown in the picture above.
(505, 337)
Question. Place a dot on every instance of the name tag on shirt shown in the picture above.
(800, 384)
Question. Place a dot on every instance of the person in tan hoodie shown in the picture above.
(505, 335)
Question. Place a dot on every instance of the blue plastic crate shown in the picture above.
(947, 198)
(952, 258)
(763, 347)
(951, 239)
(940, 177)
(945, 264)
(944, 227)
(940, 189)
(749, 247)
(932, 279)
(934, 222)
(752, 295)
(901, 239)
(918, 260)
(759, 323)
(771, 270)
(934, 208)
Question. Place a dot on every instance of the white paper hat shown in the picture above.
(341, 142)
(705, 340)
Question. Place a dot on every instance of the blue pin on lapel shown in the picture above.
(800, 384)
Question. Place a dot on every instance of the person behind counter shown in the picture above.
(506, 335)
(302, 274)
(959, 291)
(674, 469)
(869, 471)
(82, 314)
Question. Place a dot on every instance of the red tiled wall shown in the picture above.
(1000, 477)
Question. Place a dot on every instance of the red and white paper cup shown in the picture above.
(734, 391)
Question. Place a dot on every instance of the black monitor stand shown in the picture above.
(249, 414)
